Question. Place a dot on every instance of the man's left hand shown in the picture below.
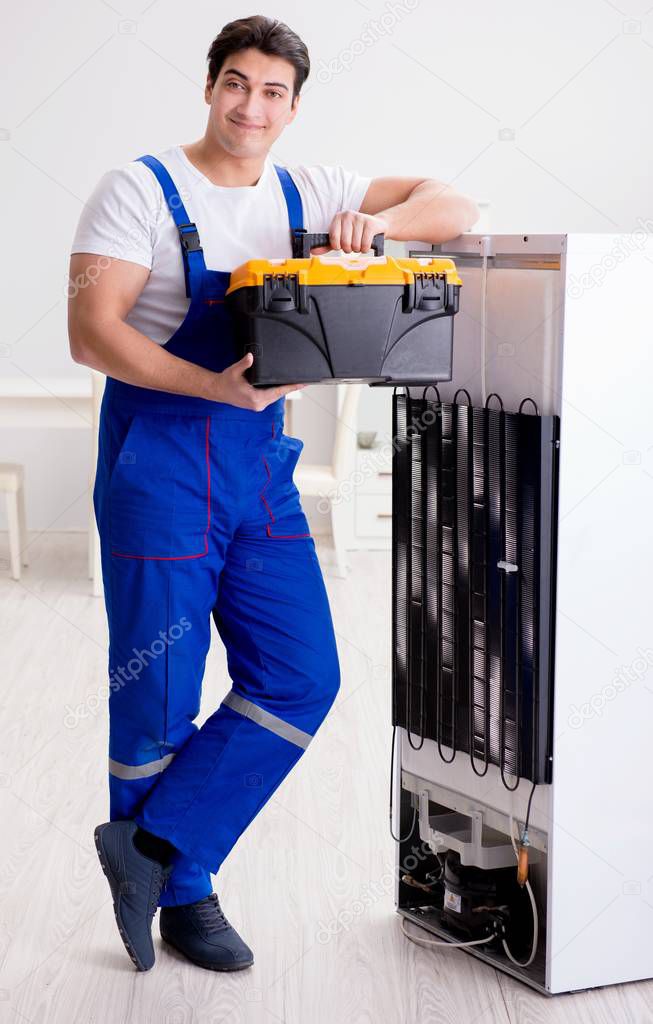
(353, 231)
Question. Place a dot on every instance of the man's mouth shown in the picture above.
(245, 127)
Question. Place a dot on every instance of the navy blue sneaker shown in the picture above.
(202, 933)
(136, 882)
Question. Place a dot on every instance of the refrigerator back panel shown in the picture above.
(472, 551)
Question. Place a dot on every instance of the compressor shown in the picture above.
(479, 902)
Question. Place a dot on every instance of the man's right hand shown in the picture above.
(233, 388)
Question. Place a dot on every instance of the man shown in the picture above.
(194, 497)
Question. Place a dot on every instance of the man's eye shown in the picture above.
(238, 84)
(272, 93)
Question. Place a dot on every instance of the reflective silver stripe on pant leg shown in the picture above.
(267, 720)
(139, 771)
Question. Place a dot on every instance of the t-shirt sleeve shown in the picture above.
(329, 189)
(119, 217)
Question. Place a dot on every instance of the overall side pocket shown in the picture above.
(159, 492)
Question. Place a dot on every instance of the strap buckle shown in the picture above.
(189, 237)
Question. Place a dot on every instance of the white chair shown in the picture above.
(12, 482)
(323, 480)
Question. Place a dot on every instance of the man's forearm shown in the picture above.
(118, 350)
(432, 213)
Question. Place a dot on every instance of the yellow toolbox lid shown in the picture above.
(344, 269)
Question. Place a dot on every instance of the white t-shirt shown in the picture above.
(126, 217)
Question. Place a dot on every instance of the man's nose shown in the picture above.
(252, 109)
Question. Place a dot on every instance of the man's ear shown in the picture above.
(293, 110)
(208, 89)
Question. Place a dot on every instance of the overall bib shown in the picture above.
(199, 518)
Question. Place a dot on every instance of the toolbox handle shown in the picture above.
(303, 242)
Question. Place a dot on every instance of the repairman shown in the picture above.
(197, 511)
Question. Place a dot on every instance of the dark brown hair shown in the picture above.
(265, 34)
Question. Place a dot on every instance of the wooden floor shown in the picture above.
(309, 885)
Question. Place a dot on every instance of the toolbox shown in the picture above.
(376, 318)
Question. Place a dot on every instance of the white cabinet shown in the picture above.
(367, 486)
(373, 495)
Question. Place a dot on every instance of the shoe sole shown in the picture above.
(112, 880)
(201, 963)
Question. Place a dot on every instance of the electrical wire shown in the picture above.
(528, 809)
(526, 963)
(435, 942)
(398, 839)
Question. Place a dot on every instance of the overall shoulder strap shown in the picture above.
(191, 249)
(293, 199)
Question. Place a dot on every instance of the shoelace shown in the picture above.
(210, 913)
(160, 881)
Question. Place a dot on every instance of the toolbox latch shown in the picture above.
(282, 294)
(427, 293)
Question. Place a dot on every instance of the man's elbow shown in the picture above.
(456, 216)
(458, 213)
(80, 343)
(77, 346)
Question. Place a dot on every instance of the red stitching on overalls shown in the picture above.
(200, 554)
(213, 302)
(275, 536)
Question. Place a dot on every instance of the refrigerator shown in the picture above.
(522, 639)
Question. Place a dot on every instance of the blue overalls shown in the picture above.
(199, 518)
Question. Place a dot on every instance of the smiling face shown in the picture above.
(251, 102)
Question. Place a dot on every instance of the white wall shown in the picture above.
(542, 111)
